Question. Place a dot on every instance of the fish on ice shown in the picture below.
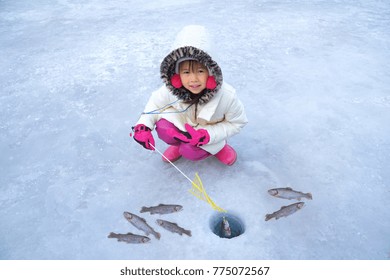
(285, 211)
(173, 227)
(129, 237)
(289, 193)
(227, 232)
(141, 224)
(162, 209)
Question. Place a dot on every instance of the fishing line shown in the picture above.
(177, 168)
(198, 190)
(160, 110)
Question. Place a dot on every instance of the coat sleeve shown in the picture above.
(234, 120)
(157, 100)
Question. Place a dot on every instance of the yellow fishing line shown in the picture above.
(197, 188)
(199, 192)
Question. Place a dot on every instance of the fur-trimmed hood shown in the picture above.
(192, 42)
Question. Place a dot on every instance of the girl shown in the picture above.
(194, 111)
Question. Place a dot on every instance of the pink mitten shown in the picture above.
(198, 137)
(143, 135)
(179, 135)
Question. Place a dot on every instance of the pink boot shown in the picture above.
(227, 155)
(172, 153)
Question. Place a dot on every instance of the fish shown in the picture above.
(129, 237)
(141, 224)
(227, 232)
(289, 193)
(173, 227)
(162, 209)
(285, 211)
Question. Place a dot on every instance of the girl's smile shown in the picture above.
(193, 76)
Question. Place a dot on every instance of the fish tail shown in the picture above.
(112, 235)
(268, 217)
(144, 209)
(188, 232)
(309, 196)
(145, 240)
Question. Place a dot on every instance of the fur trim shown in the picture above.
(167, 70)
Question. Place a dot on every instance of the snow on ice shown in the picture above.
(315, 81)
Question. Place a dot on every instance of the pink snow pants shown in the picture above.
(186, 150)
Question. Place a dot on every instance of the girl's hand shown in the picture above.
(143, 135)
(198, 137)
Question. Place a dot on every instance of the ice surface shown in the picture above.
(314, 77)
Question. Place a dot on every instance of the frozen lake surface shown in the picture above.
(314, 77)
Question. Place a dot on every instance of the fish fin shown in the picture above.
(161, 204)
(157, 235)
(309, 196)
(288, 188)
(283, 207)
(144, 209)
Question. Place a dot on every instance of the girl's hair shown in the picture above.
(192, 64)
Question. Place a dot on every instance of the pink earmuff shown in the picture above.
(175, 81)
(211, 83)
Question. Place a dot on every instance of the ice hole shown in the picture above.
(236, 225)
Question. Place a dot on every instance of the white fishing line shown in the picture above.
(177, 168)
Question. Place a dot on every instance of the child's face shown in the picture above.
(193, 76)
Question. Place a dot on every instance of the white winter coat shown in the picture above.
(219, 111)
(223, 116)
